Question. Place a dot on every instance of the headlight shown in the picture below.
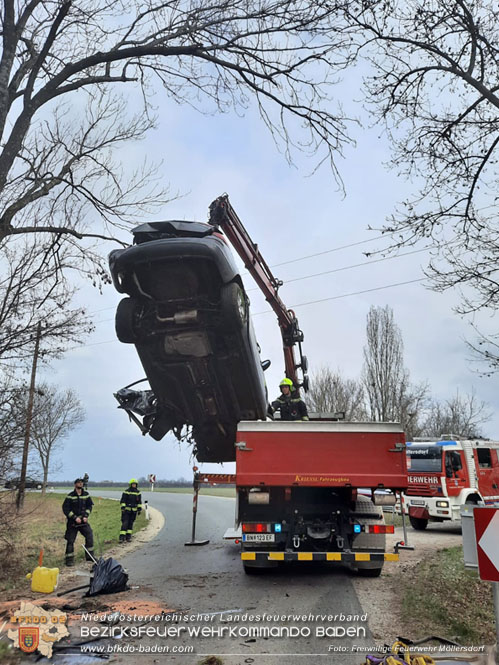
(442, 504)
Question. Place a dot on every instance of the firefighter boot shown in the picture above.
(128, 537)
(122, 537)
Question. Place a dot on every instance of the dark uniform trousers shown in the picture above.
(78, 505)
(131, 505)
(72, 530)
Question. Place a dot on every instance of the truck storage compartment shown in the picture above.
(321, 454)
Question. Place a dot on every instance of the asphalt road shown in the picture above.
(210, 580)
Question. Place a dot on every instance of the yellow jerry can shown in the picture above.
(44, 580)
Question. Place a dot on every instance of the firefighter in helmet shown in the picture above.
(131, 506)
(290, 408)
(77, 507)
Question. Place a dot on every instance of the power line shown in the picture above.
(310, 256)
(317, 274)
(302, 304)
(347, 295)
(355, 265)
(328, 251)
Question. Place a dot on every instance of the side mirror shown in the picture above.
(266, 364)
(305, 384)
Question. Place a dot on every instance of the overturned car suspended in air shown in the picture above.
(187, 314)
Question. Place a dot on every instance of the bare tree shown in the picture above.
(330, 392)
(434, 84)
(56, 414)
(35, 289)
(390, 395)
(461, 416)
(12, 424)
(56, 166)
(77, 81)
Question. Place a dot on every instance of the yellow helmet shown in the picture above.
(133, 481)
(287, 382)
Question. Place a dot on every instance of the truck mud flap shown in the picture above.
(419, 512)
(347, 558)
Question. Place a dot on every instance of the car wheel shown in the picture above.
(233, 306)
(418, 523)
(125, 319)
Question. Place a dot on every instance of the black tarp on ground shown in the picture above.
(108, 576)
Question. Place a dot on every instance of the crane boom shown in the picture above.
(223, 215)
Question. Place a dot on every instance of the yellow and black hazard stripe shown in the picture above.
(343, 557)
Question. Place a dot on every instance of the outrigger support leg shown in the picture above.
(402, 545)
(193, 541)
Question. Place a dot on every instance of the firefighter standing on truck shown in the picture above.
(77, 507)
(131, 506)
(291, 408)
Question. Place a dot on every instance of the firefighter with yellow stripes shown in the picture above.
(131, 506)
(77, 507)
(289, 406)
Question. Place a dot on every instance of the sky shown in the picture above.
(291, 215)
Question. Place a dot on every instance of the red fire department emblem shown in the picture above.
(28, 639)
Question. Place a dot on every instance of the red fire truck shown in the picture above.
(444, 475)
(298, 483)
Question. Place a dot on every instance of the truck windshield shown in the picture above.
(424, 459)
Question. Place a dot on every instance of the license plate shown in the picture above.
(418, 502)
(259, 538)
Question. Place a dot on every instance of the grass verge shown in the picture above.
(42, 524)
(441, 597)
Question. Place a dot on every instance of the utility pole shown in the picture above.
(27, 431)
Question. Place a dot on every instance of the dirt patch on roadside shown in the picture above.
(80, 574)
(381, 597)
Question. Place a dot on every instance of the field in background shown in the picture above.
(213, 491)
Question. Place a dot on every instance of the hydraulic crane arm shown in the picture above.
(223, 215)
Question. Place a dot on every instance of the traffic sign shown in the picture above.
(487, 541)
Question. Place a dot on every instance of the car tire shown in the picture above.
(233, 306)
(125, 319)
(418, 523)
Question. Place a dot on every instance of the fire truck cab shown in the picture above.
(444, 475)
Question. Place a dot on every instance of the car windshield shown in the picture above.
(424, 459)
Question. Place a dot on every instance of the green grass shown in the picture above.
(441, 597)
(9, 655)
(42, 525)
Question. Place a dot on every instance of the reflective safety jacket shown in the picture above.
(291, 408)
(131, 499)
(77, 505)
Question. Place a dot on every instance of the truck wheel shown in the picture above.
(125, 321)
(418, 523)
(233, 306)
(369, 572)
(253, 570)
